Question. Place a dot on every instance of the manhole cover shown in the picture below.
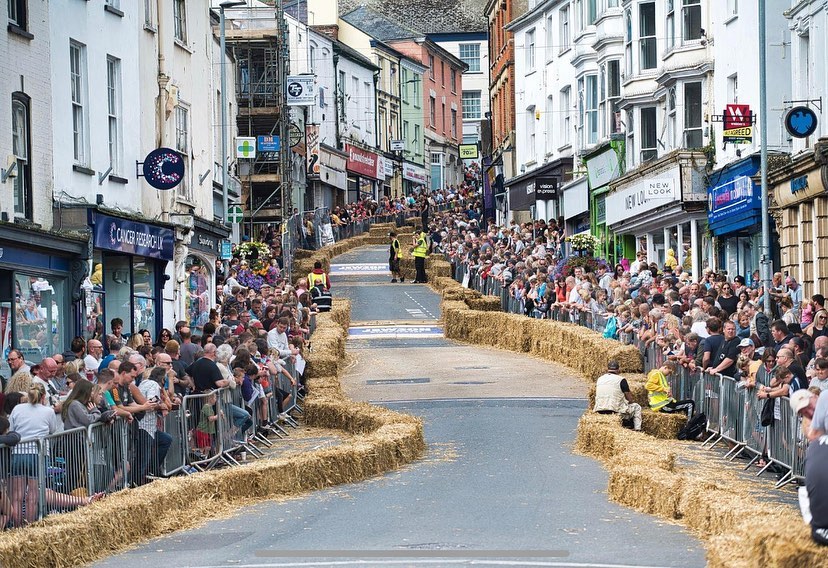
(414, 381)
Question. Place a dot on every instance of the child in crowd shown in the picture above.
(206, 430)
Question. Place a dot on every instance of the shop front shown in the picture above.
(414, 177)
(800, 209)
(40, 277)
(198, 290)
(576, 206)
(734, 216)
(662, 206)
(329, 181)
(603, 166)
(365, 170)
(538, 191)
(129, 260)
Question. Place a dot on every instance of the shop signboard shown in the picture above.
(414, 173)
(469, 152)
(732, 198)
(205, 242)
(643, 196)
(312, 137)
(300, 90)
(603, 168)
(546, 187)
(133, 237)
(363, 162)
(226, 250)
(800, 188)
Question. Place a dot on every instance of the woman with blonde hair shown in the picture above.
(819, 327)
(135, 341)
(20, 382)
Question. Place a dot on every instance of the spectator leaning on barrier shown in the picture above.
(613, 396)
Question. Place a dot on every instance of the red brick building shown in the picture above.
(499, 13)
(442, 107)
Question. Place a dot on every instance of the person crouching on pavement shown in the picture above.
(613, 396)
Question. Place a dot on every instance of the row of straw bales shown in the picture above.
(478, 320)
(739, 529)
(381, 440)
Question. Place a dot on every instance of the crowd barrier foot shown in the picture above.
(738, 448)
(254, 451)
(290, 421)
(766, 466)
(751, 462)
(786, 479)
(715, 437)
(228, 459)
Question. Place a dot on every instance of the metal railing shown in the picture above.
(733, 411)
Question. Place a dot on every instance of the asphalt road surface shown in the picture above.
(499, 485)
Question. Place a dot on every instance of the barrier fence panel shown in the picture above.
(782, 437)
(173, 425)
(712, 385)
(108, 456)
(731, 419)
(64, 458)
(203, 444)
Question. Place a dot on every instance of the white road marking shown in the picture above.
(441, 562)
(355, 269)
(422, 307)
(395, 332)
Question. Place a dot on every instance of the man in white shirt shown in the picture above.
(277, 339)
(94, 355)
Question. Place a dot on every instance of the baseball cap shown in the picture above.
(746, 342)
(800, 399)
(612, 365)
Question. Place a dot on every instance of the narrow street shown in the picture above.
(498, 486)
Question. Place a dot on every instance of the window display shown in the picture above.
(38, 323)
(197, 290)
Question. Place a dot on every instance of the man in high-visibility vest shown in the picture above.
(659, 393)
(419, 253)
(318, 276)
(395, 254)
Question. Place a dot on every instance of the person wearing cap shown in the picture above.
(613, 396)
(814, 500)
(394, 256)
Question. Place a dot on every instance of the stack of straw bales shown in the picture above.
(382, 440)
(738, 528)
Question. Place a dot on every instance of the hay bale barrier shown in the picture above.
(737, 527)
(381, 440)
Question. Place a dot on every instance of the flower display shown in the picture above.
(584, 242)
(256, 266)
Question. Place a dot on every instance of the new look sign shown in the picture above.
(642, 196)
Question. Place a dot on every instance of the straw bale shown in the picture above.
(597, 435)
(443, 283)
(662, 425)
(649, 490)
(485, 303)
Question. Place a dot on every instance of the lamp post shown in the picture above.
(223, 46)
(766, 261)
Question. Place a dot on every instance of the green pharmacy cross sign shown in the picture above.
(245, 148)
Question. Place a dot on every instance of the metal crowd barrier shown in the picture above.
(733, 414)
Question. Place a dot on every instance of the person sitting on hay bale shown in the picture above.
(659, 393)
(613, 396)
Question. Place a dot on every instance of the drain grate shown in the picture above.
(414, 381)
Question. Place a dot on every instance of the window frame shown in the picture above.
(468, 58)
(20, 18)
(529, 46)
(114, 112)
(670, 23)
(647, 44)
(80, 102)
(22, 183)
(688, 9)
(432, 111)
(564, 25)
(472, 99)
(180, 21)
(566, 114)
(693, 125)
(648, 140)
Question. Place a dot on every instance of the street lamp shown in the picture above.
(223, 46)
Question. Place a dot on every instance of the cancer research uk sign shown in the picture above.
(642, 196)
(131, 237)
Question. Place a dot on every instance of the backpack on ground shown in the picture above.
(694, 428)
